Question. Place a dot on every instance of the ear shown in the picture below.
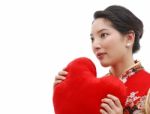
(130, 37)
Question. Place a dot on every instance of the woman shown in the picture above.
(115, 36)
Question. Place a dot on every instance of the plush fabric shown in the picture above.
(81, 92)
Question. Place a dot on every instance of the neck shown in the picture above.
(122, 66)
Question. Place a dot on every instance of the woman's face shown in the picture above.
(108, 44)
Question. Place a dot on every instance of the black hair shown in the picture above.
(124, 21)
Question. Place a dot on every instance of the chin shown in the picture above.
(104, 64)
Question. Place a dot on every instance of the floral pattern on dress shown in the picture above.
(135, 104)
(131, 71)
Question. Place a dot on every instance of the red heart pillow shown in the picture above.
(82, 91)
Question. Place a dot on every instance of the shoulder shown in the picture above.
(144, 77)
(143, 74)
(139, 81)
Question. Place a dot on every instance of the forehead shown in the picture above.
(101, 24)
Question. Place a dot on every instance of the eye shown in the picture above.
(92, 39)
(104, 35)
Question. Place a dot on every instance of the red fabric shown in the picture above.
(137, 86)
(82, 91)
(139, 82)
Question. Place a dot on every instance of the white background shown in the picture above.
(39, 37)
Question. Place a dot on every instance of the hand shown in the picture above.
(111, 105)
(60, 77)
(147, 103)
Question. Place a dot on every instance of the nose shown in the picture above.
(96, 45)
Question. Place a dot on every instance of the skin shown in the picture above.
(147, 103)
(113, 50)
(107, 40)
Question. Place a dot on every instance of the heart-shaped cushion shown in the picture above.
(81, 92)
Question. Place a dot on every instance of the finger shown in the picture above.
(60, 78)
(106, 107)
(115, 99)
(57, 82)
(110, 102)
(103, 111)
(63, 73)
(64, 69)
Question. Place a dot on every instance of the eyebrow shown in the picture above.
(99, 31)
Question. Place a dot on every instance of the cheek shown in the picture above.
(115, 48)
(109, 44)
(118, 52)
(114, 43)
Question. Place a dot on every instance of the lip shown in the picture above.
(100, 55)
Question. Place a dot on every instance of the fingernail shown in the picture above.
(108, 95)
(64, 78)
(66, 72)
